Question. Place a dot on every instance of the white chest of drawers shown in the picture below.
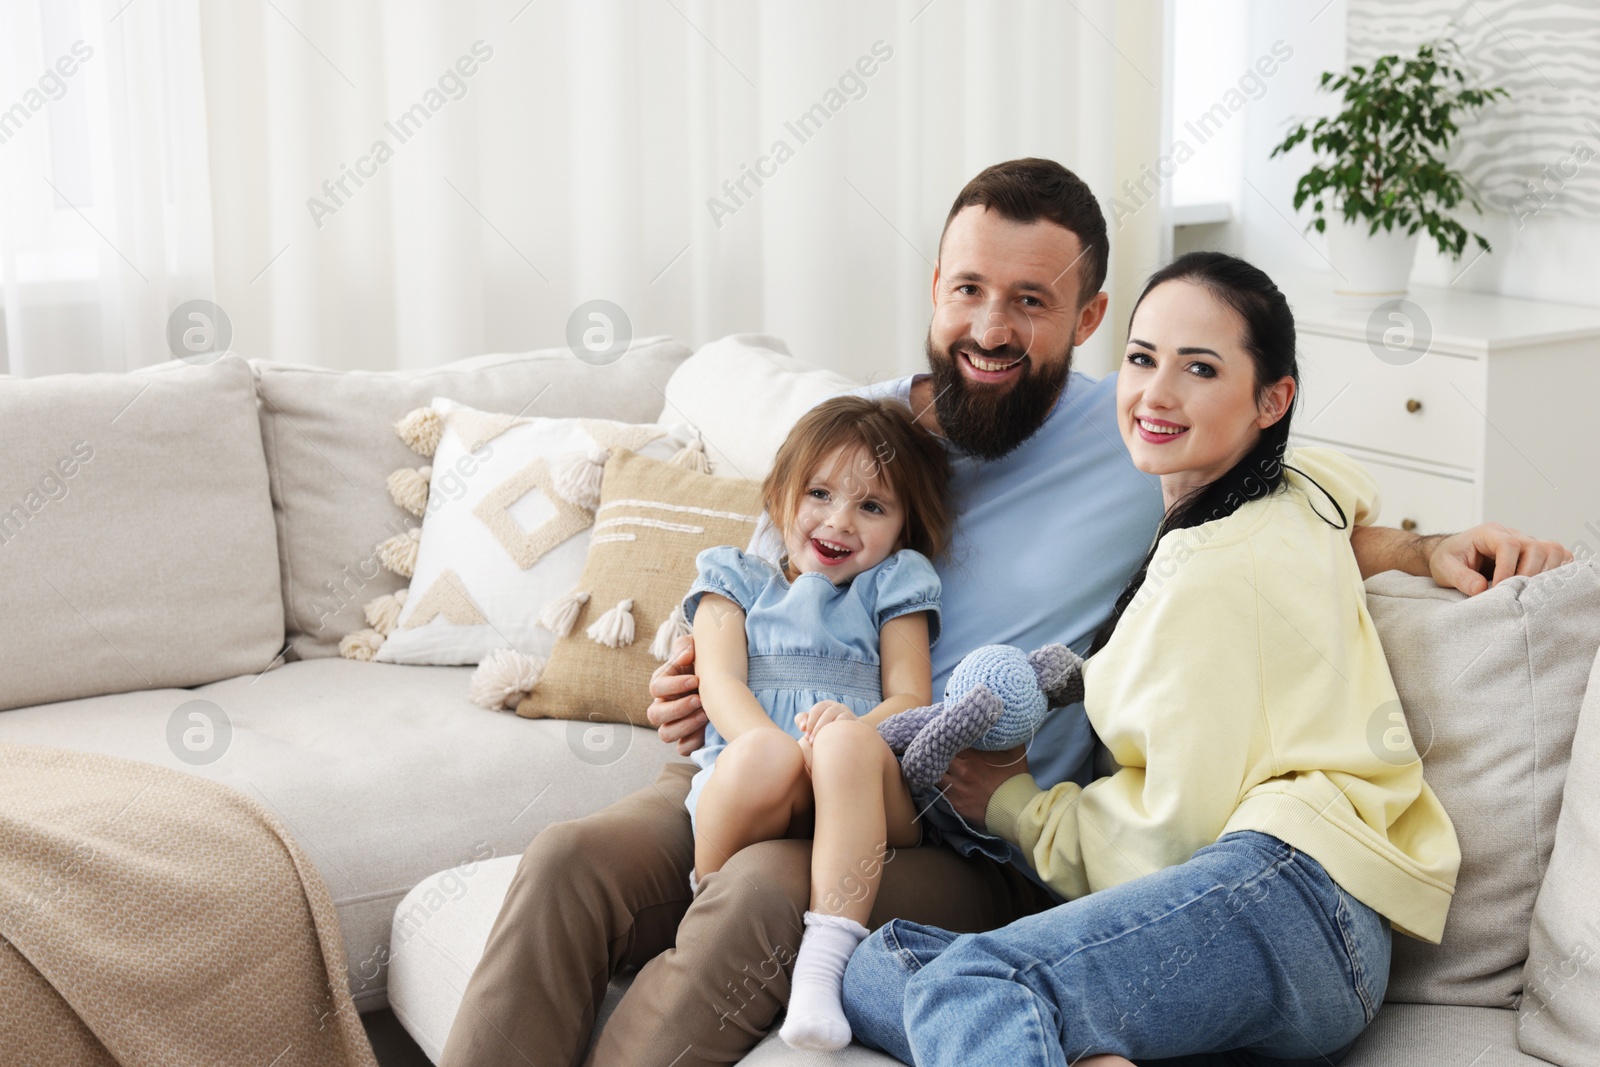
(1465, 408)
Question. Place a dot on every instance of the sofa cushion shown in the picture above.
(1491, 686)
(438, 935)
(1560, 1014)
(743, 393)
(331, 446)
(136, 540)
(1432, 1035)
(385, 774)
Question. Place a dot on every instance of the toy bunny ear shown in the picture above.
(1060, 674)
(899, 730)
(962, 722)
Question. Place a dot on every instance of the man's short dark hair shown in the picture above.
(1026, 190)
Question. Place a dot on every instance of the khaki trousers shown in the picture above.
(611, 890)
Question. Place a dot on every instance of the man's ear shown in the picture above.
(1090, 316)
(935, 292)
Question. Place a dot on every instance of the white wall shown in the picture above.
(1211, 48)
(1268, 231)
(1547, 258)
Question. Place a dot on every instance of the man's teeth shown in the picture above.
(990, 364)
(1153, 428)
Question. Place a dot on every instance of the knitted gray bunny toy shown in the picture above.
(996, 698)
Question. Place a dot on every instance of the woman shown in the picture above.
(1232, 888)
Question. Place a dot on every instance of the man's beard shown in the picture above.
(983, 420)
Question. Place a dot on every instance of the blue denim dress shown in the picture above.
(810, 640)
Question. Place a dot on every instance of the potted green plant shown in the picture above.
(1381, 174)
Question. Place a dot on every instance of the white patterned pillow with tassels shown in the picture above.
(507, 506)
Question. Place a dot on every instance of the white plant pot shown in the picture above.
(1375, 265)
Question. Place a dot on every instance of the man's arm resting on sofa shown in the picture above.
(675, 709)
(1471, 561)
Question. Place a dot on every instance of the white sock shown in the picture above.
(816, 1015)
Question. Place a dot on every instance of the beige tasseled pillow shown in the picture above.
(653, 519)
(506, 503)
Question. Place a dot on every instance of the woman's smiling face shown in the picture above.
(1187, 398)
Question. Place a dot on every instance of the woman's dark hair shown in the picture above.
(1269, 339)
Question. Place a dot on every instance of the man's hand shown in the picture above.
(675, 709)
(974, 776)
(1484, 556)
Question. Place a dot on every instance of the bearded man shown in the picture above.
(1051, 520)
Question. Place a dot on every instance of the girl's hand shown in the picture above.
(821, 714)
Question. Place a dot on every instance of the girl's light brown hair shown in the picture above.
(896, 449)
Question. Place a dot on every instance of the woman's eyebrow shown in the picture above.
(1197, 351)
(1141, 344)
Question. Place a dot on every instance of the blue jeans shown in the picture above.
(1248, 953)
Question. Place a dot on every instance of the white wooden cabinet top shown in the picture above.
(1461, 322)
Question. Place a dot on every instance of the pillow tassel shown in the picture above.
(693, 456)
(399, 553)
(576, 477)
(614, 629)
(421, 430)
(361, 645)
(409, 489)
(504, 678)
(676, 626)
(560, 614)
(384, 612)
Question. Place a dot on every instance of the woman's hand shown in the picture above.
(974, 776)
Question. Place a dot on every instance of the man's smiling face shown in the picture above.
(1006, 317)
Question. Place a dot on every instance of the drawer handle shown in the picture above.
(1413, 406)
(1408, 525)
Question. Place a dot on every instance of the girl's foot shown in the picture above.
(816, 1015)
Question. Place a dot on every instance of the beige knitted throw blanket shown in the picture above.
(150, 918)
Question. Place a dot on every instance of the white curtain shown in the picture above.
(398, 183)
(105, 216)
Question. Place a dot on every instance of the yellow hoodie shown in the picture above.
(1245, 689)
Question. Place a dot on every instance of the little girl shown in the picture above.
(799, 663)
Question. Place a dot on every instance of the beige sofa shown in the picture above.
(180, 549)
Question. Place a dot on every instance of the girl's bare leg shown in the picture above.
(758, 787)
(862, 810)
